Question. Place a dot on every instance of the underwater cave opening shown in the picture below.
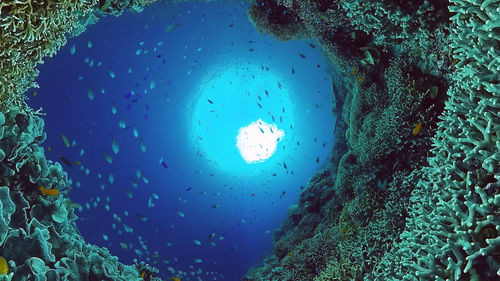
(152, 126)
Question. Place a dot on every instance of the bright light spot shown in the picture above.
(257, 141)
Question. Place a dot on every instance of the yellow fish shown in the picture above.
(290, 253)
(175, 278)
(65, 140)
(3, 266)
(143, 274)
(49, 191)
(417, 129)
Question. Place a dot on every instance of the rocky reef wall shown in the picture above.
(413, 191)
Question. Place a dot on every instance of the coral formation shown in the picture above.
(439, 204)
(271, 18)
(32, 30)
(38, 236)
(388, 207)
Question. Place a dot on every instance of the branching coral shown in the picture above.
(453, 232)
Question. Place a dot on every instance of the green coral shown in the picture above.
(453, 231)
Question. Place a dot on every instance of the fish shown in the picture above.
(135, 132)
(312, 46)
(302, 55)
(215, 206)
(180, 213)
(112, 74)
(251, 50)
(133, 182)
(211, 102)
(78, 163)
(189, 188)
(163, 163)
(197, 242)
(111, 178)
(171, 27)
(49, 191)
(108, 158)
(142, 145)
(72, 50)
(90, 93)
(259, 104)
(155, 196)
(123, 245)
(113, 108)
(317, 159)
(128, 192)
(66, 161)
(267, 93)
(175, 278)
(150, 202)
(115, 147)
(142, 217)
(211, 235)
(90, 44)
(417, 129)
(197, 260)
(4, 267)
(152, 84)
(261, 130)
(284, 165)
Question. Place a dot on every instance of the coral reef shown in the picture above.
(276, 20)
(31, 30)
(38, 236)
(454, 228)
(415, 194)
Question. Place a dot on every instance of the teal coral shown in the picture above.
(38, 235)
(456, 206)
(397, 66)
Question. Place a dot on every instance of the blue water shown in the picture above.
(186, 92)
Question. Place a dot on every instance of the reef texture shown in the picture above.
(414, 193)
(33, 29)
(38, 236)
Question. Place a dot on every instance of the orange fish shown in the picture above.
(175, 278)
(417, 129)
(49, 191)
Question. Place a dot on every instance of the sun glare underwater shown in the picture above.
(186, 134)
